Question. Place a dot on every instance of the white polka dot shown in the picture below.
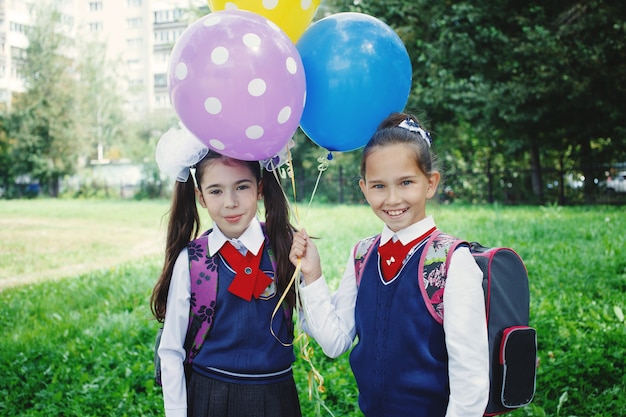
(270, 4)
(217, 144)
(292, 67)
(273, 26)
(257, 87)
(254, 132)
(230, 6)
(219, 55)
(251, 40)
(305, 4)
(284, 115)
(212, 20)
(213, 105)
(181, 71)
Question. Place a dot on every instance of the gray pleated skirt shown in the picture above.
(208, 397)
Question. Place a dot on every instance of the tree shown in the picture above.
(43, 119)
(100, 104)
(5, 157)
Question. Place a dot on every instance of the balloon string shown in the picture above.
(292, 177)
(301, 339)
(321, 167)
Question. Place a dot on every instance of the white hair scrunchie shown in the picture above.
(412, 126)
(177, 151)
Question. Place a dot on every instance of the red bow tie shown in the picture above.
(392, 255)
(249, 279)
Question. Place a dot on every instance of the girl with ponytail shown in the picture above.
(243, 365)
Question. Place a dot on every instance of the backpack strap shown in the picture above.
(361, 255)
(433, 265)
(204, 278)
(203, 272)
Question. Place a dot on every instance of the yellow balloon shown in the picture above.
(292, 16)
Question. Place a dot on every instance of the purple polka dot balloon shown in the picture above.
(237, 82)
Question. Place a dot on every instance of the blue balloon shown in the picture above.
(357, 72)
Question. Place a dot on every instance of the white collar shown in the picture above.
(408, 233)
(252, 238)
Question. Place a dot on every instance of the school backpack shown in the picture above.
(512, 343)
(203, 270)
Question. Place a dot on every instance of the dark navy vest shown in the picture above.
(400, 361)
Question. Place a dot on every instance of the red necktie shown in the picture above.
(249, 280)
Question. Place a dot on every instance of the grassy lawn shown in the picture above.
(50, 239)
(75, 278)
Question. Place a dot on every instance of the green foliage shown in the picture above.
(519, 91)
(82, 346)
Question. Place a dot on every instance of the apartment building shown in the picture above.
(137, 37)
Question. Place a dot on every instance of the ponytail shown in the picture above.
(279, 231)
(183, 226)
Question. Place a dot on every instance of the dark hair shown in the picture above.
(184, 226)
(389, 132)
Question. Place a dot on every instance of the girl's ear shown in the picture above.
(433, 183)
(200, 197)
(362, 186)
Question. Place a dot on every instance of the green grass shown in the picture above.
(82, 345)
(45, 239)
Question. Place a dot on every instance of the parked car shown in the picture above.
(617, 183)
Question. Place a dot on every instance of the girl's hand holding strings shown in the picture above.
(304, 251)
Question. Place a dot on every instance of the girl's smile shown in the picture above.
(395, 213)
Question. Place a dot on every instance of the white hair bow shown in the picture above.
(177, 151)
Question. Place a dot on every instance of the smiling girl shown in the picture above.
(404, 362)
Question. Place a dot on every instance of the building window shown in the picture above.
(160, 80)
(135, 83)
(133, 3)
(162, 57)
(95, 6)
(133, 23)
(166, 16)
(17, 72)
(133, 64)
(134, 43)
(162, 101)
(18, 54)
(95, 26)
(17, 27)
(162, 36)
